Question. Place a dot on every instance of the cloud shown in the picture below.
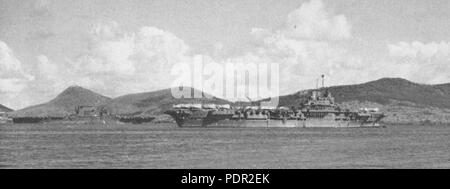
(41, 8)
(312, 21)
(136, 61)
(118, 62)
(46, 68)
(141, 60)
(43, 34)
(425, 62)
(312, 42)
(147, 50)
(10, 66)
(108, 30)
(307, 47)
(13, 78)
(418, 49)
(318, 44)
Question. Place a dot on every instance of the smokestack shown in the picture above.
(323, 81)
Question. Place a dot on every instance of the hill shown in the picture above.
(386, 90)
(445, 88)
(5, 109)
(155, 103)
(383, 91)
(404, 101)
(64, 104)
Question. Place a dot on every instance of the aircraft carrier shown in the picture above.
(320, 110)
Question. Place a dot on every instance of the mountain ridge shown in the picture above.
(381, 91)
(403, 101)
(64, 103)
(156, 102)
(5, 109)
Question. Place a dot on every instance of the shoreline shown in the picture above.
(125, 126)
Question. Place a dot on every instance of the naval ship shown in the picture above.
(320, 110)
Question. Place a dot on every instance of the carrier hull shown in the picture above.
(276, 123)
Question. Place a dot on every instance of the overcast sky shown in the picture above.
(117, 47)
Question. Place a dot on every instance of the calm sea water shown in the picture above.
(150, 146)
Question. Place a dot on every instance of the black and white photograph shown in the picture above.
(225, 84)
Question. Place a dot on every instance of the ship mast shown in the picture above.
(323, 81)
(317, 84)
